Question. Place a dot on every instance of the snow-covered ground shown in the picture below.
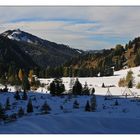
(108, 118)
(97, 82)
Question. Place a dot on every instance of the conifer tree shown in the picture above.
(116, 102)
(7, 105)
(56, 87)
(77, 88)
(87, 107)
(25, 83)
(20, 112)
(2, 112)
(45, 108)
(29, 106)
(103, 85)
(75, 104)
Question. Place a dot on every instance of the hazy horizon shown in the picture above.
(87, 28)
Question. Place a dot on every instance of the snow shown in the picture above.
(53, 124)
(79, 51)
(19, 36)
(107, 119)
(124, 118)
(97, 82)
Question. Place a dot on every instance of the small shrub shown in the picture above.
(122, 82)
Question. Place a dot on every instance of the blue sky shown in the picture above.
(79, 27)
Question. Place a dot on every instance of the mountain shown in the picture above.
(40, 52)
(11, 54)
(24, 50)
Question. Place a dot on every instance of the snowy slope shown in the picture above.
(108, 118)
(124, 118)
(72, 125)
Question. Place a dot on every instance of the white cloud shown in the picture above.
(76, 26)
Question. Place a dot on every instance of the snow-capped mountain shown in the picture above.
(43, 53)
(19, 35)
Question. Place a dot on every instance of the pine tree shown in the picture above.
(77, 88)
(7, 105)
(25, 83)
(29, 106)
(75, 104)
(20, 74)
(116, 103)
(56, 87)
(24, 97)
(93, 103)
(2, 112)
(17, 96)
(20, 112)
(87, 107)
(45, 108)
(103, 85)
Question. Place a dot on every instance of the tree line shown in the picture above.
(22, 78)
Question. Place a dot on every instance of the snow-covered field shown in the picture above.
(108, 118)
(96, 82)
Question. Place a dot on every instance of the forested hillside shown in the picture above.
(102, 63)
